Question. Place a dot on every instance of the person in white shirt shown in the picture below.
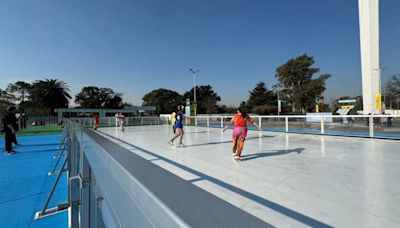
(116, 119)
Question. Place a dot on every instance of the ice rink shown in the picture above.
(284, 179)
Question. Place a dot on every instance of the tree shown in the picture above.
(311, 93)
(20, 89)
(243, 105)
(207, 99)
(166, 101)
(261, 100)
(324, 107)
(6, 99)
(298, 87)
(223, 109)
(95, 97)
(50, 94)
(392, 91)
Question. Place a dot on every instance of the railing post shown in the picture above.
(286, 124)
(195, 121)
(208, 121)
(322, 126)
(222, 121)
(74, 160)
(371, 126)
(74, 193)
(259, 121)
(85, 188)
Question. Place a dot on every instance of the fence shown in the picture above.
(38, 126)
(374, 126)
(129, 121)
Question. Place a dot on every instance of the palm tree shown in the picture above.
(50, 94)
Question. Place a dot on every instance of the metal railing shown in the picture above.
(112, 121)
(38, 126)
(373, 126)
(110, 186)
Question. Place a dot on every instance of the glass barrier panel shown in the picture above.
(273, 124)
(304, 125)
(202, 121)
(387, 127)
(347, 126)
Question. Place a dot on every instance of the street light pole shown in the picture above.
(277, 91)
(194, 89)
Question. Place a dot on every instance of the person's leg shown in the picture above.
(235, 134)
(8, 141)
(178, 133)
(181, 137)
(234, 145)
(242, 138)
(240, 147)
(14, 139)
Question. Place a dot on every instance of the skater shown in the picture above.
(96, 122)
(116, 119)
(240, 131)
(121, 121)
(178, 127)
(172, 121)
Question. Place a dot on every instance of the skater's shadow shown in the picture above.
(229, 141)
(198, 132)
(269, 154)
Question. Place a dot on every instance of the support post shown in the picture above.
(43, 211)
(85, 191)
(74, 193)
(286, 124)
(322, 126)
(371, 126)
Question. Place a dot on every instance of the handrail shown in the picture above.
(298, 116)
(374, 126)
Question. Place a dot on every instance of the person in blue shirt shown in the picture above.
(178, 127)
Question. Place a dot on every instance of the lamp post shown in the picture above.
(278, 98)
(194, 89)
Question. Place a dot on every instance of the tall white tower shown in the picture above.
(369, 45)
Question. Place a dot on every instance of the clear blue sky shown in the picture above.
(135, 46)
